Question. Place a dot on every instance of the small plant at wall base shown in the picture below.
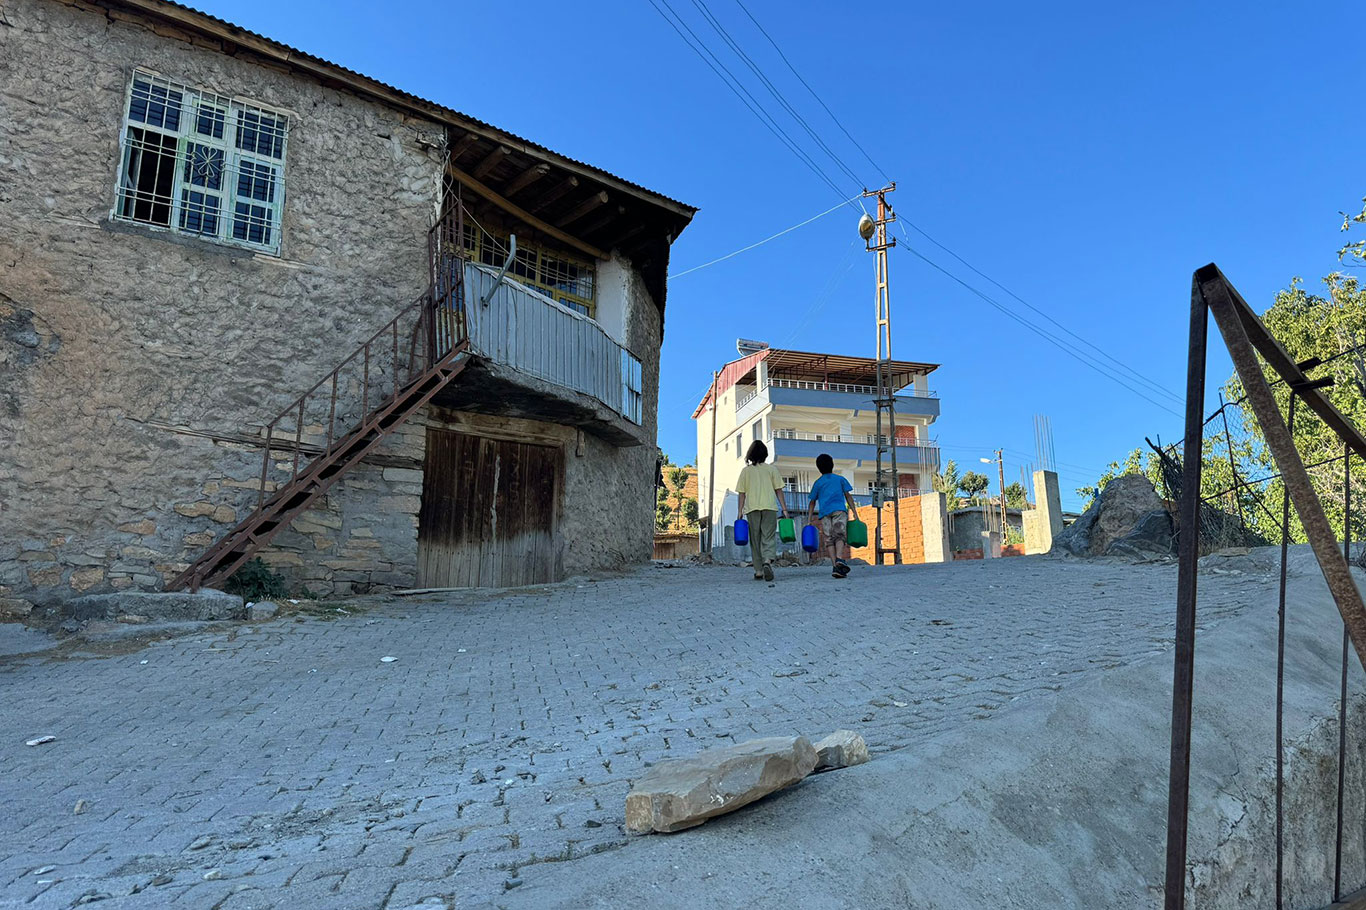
(255, 582)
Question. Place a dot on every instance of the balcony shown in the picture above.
(799, 500)
(857, 447)
(840, 396)
(535, 358)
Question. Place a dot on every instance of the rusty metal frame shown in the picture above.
(1245, 337)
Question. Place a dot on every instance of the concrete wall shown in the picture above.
(966, 527)
(1043, 522)
(137, 367)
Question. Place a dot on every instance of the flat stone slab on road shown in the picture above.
(685, 792)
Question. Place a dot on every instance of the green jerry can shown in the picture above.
(857, 533)
(787, 530)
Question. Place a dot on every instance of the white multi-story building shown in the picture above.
(801, 405)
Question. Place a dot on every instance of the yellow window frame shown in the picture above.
(531, 256)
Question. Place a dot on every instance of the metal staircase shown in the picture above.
(384, 382)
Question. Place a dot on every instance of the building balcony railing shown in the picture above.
(838, 396)
(866, 439)
(523, 329)
(799, 500)
(820, 386)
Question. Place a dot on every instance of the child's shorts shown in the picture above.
(836, 527)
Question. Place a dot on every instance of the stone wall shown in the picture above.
(609, 500)
(137, 366)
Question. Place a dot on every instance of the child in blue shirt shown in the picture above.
(831, 494)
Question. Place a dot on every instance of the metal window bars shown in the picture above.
(198, 163)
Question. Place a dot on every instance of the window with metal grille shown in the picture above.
(566, 281)
(201, 164)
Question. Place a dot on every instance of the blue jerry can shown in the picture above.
(811, 539)
(741, 532)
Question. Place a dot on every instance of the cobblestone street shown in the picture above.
(288, 765)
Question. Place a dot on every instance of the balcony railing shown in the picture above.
(533, 334)
(799, 500)
(865, 439)
(819, 386)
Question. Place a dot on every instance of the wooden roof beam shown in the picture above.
(584, 207)
(491, 161)
(462, 145)
(620, 239)
(525, 179)
(612, 214)
(521, 214)
(330, 73)
(555, 193)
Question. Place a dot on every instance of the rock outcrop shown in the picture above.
(1127, 519)
(674, 795)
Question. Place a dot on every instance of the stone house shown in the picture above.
(254, 304)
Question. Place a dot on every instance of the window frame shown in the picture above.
(533, 257)
(227, 114)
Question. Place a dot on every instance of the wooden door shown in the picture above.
(488, 512)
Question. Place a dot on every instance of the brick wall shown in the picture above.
(912, 531)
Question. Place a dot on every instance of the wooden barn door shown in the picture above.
(488, 512)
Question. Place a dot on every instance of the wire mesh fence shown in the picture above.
(1243, 494)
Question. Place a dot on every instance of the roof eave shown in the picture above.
(186, 17)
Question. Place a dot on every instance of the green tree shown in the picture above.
(664, 512)
(1330, 326)
(946, 482)
(1017, 497)
(689, 511)
(1355, 249)
(973, 485)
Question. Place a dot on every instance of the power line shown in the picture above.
(746, 249)
(808, 87)
(738, 88)
(772, 89)
(757, 108)
(1038, 331)
(1131, 371)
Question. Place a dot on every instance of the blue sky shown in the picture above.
(1088, 157)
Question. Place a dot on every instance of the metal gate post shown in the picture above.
(1178, 790)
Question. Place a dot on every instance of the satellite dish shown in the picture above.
(866, 226)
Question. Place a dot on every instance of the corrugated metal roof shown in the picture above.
(780, 358)
(439, 111)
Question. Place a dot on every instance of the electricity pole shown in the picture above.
(1001, 469)
(886, 385)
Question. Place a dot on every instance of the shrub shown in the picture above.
(255, 581)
